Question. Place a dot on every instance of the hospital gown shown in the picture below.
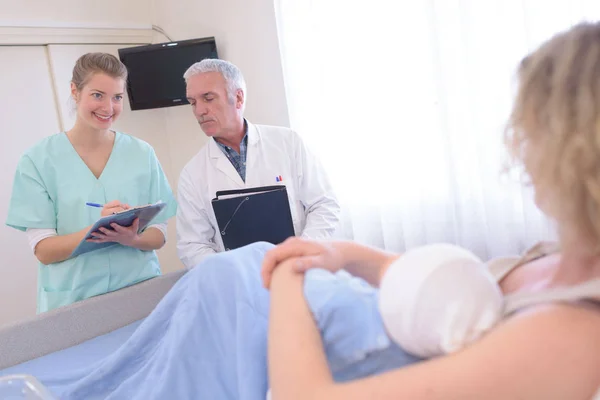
(51, 187)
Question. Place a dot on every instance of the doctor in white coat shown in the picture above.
(238, 155)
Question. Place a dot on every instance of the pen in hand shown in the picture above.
(112, 207)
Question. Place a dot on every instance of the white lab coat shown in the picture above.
(271, 152)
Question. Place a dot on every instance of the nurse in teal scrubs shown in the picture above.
(90, 163)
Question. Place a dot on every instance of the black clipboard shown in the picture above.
(259, 214)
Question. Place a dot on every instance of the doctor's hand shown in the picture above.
(307, 254)
(113, 207)
(125, 235)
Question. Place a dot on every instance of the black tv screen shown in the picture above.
(156, 71)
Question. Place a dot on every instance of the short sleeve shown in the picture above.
(160, 190)
(30, 204)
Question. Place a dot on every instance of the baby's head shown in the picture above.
(437, 299)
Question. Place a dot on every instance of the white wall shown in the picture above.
(52, 12)
(20, 128)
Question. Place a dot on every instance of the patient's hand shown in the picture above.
(308, 253)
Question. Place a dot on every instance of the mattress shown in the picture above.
(74, 358)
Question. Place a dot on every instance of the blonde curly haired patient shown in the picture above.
(547, 344)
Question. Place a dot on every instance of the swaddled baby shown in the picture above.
(433, 300)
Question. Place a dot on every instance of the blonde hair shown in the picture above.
(92, 63)
(554, 130)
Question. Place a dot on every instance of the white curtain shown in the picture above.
(405, 103)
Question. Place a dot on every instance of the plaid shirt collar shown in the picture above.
(238, 160)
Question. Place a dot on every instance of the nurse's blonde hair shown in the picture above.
(554, 131)
(92, 63)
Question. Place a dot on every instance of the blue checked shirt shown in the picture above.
(238, 160)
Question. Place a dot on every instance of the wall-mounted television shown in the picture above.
(156, 71)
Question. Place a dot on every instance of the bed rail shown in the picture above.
(68, 326)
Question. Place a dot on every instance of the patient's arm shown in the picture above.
(548, 352)
(362, 261)
(288, 304)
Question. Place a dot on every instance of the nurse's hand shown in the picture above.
(113, 207)
(125, 235)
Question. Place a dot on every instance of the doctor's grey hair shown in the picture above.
(232, 74)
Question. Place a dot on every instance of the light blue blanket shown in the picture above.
(207, 339)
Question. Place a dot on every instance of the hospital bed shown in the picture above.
(77, 335)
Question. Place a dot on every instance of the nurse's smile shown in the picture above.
(103, 118)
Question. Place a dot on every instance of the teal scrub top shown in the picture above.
(51, 187)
